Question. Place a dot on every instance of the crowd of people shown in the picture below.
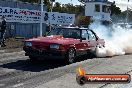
(2, 31)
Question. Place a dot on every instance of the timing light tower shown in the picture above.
(98, 9)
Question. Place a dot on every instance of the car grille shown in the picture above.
(32, 51)
(40, 47)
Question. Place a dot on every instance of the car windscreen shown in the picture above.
(66, 32)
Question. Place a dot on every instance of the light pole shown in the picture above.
(51, 1)
(51, 8)
(41, 20)
(127, 15)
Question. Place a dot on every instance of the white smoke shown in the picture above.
(118, 40)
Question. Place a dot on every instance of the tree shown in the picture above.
(65, 8)
(30, 1)
(48, 4)
(115, 10)
(124, 14)
(68, 8)
(82, 1)
(83, 20)
(57, 7)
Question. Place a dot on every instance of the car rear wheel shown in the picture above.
(71, 54)
(98, 47)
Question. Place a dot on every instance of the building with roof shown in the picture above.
(98, 9)
(21, 29)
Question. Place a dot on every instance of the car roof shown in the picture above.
(81, 28)
(77, 28)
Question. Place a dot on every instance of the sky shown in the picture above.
(123, 4)
(120, 3)
(75, 2)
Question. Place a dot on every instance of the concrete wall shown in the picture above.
(22, 29)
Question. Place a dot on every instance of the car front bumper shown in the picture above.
(44, 54)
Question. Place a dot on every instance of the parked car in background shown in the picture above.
(65, 43)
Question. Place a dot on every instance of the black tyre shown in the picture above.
(98, 46)
(71, 55)
(33, 59)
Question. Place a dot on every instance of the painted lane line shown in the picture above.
(18, 85)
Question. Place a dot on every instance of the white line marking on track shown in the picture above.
(17, 85)
(2, 85)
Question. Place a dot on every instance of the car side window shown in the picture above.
(91, 36)
(71, 33)
(85, 34)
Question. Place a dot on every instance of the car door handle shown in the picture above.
(85, 45)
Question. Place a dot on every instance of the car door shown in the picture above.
(92, 40)
(85, 41)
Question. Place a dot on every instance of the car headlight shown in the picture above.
(28, 44)
(54, 46)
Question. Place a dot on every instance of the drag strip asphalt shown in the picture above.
(19, 72)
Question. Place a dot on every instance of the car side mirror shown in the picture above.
(83, 38)
(44, 35)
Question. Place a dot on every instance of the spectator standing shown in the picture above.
(3, 31)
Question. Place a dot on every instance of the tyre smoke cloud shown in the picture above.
(118, 40)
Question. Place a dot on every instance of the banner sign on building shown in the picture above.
(61, 18)
(34, 16)
(20, 15)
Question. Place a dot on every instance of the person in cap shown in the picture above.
(3, 31)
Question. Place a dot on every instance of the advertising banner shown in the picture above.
(34, 16)
(61, 18)
(20, 15)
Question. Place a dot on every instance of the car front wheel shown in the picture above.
(70, 56)
(33, 59)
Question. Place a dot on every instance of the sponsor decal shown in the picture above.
(83, 78)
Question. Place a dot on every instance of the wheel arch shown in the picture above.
(72, 46)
